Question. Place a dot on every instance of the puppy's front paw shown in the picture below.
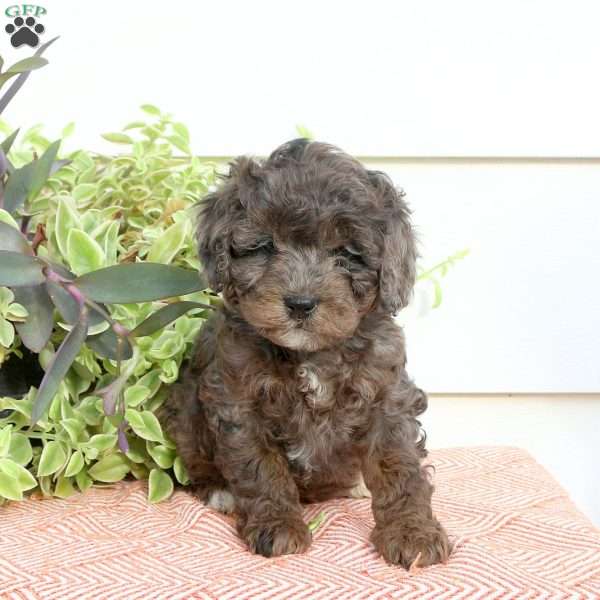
(422, 544)
(281, 537)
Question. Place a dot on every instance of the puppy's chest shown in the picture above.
(319, 410)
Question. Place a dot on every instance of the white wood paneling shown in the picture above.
(521, 312)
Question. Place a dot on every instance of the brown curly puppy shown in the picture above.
(297, 390)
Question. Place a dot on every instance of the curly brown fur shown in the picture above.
(297, 389)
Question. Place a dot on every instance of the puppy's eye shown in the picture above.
(349, 254)
(265, 247)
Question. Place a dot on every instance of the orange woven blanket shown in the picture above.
(516, 533)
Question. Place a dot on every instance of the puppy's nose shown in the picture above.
(300, 307)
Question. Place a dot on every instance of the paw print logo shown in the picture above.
(24, 32)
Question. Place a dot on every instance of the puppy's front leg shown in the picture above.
(406, 531)
(266, 496)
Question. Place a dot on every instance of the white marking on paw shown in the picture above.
(221, 500)
(360, 490)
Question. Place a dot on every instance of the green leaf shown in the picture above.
(170, 343)
(169, 243)
(180, 471)
(27, 64)
(52, 459)
(5, 438)
(151, 109)
(68, 130)
(145, 424)
(437, 290)
(67, 218)
(76, 463)
(166, 315)
(305, 132)
(102, 441)
(59, 366)
(9, 488)
(315, 523)
(182, 131)
(135, 395)
(179, 143)
(117, 138)
(73, 427)
(139, 282)
(20, 449)
(84, 192)
(16, 312)
(110, 469)
(6, 299)
(19, 270)
(6, 217)
(164, 457)
(23, 66)
(12, 240)
(160, 486)
(84, 481)
(64, 487)
(134, 125)
(83, 252)
(137, 452)
(37, 328)
(24, 478)
(111, 240)
(7, 333)
(170, 371)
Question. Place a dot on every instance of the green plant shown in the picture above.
(433, 275)
(100, 279)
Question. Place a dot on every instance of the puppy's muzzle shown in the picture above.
(300, 307)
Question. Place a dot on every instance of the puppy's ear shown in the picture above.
(398, 268)
(219, 213)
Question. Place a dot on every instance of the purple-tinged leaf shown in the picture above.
(57, 165)
(139, 282)
(8, 142)
(68, 306)
(3, 163)
(166, 315)
(19, 270)
(105, 344)
(37, 328)
(42, 168)
(12, 240)
(59, 366)
(122, 438)
(18, 187)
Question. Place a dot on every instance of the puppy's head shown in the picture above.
(307, 242)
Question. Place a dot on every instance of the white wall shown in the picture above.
(394, 78)
(408, 80)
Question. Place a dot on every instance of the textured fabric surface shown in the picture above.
(516, 534)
